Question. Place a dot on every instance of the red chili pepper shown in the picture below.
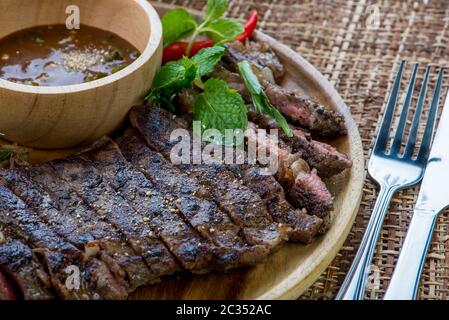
(250, 26)
(177, 50)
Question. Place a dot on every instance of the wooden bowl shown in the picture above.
(69, 116)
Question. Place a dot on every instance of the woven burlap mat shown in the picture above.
(358, 45)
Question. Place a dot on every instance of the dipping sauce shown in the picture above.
(55, 56)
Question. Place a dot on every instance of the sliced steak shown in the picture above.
(244, 207)
(198, 254)
(20, 271)
(95, 280)
(80, 175)
(7, 291)
(302, 111)
(327, 160)
(304, 187)
(132, 192)
(192, 201)
(320, 156)
(304, 226)
(299, 109)
(66, 214)
(258, 54)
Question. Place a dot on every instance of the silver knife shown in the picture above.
(433, 199)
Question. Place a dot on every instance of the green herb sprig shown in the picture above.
(179, 24)
(177, 75)
(259, 97)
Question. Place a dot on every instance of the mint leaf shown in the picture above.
(215, 9)
(177, 24)
(5, 154)
(177, 75)
(220, 108)
(207, 59)
(223, 30)
(172, 77)
(260, 99)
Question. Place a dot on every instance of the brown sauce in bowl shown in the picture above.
(56, 56)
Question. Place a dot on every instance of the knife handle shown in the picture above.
(406, 277)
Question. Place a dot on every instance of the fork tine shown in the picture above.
(397, 141)
(416, 118)
(430, 126)
(384, 132)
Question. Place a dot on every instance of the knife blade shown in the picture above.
(432, 200)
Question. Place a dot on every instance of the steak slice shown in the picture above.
(130, 189)
(302, 111)
(7, 292)
(20, 270)
(82, 177)
(288, 173)
(196, 254)
(304, 188)
(299, 109)
(258, 54)
(66, 214)
(95, 279)
(327, 160)
(244, 207)
(304, 226)
(192, 201)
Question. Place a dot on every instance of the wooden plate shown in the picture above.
(289, 272)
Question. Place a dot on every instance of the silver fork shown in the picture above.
(393, 171)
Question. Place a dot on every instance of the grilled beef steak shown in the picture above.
(300, 110)
(258, 54)
(80, 175)
(327, 160)
(192, 201)
(7, 291)
(306, 113)
(304, 227)
(71, 218)
(21, 271)
(95, 279)
(195, 253)
(139, 118)
(121, 214)
(244, 207)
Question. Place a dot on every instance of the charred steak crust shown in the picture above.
(194, 253)
(244, 207)
(192, 201)
(304, 226)
(80, 175)
(22, 271)
(71, 218)
(96, 281)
